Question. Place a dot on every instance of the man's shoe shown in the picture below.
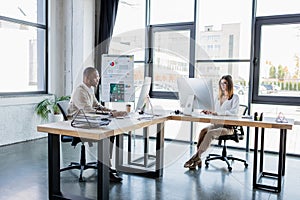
(75, 141)
(113, 170)
(114, 178)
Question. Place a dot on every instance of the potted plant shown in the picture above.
(49, 105)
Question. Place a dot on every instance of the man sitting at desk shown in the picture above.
(83, 97)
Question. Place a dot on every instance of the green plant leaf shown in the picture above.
(42, 109)
(49, 105)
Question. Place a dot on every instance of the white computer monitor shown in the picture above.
(143, 95)
(195, 93)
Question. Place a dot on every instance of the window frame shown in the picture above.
(174, 27)
(259, 22)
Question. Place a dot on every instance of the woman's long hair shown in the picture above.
(228, 78)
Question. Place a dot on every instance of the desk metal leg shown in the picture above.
(54, 166)
(255, 158)
(262, 150)
(143, 161)
(160, 149)
(146, 169)
(282, 155)
(129, 147)
(119, 150)
(103, 172)
(283, 133)
(146, 145)
(281, 163)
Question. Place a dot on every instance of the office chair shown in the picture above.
(82, 165)
(236, 136)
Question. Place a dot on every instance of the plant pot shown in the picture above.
(55, 118)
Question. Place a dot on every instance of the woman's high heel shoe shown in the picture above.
(197, 162)
(190, 162)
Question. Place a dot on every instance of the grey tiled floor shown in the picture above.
(23, 175)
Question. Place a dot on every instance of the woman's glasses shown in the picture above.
(223, 83)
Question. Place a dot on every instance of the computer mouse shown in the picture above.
(177, 112)
(141, 112)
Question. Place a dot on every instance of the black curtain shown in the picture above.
(105, 17)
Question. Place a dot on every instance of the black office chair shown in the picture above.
(82, 165)
(236, 136)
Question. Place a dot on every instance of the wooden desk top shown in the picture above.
(268, 122)
(119, 126)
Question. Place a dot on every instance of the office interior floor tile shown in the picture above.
(23, 175)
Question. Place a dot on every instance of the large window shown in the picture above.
(172, 58)
(172, 41)
(223, 41)
(211, 38)
(129, 30)
(277, 55)
(224, 29)
(23, 44)
(129, 36)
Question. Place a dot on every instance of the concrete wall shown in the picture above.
(71, 41)
(17, 119)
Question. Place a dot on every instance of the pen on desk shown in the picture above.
(261, 116)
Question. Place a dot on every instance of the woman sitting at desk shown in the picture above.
(227, 103)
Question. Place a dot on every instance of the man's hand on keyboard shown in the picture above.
(119, 113)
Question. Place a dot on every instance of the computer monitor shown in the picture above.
(195, 93)
(143, 95)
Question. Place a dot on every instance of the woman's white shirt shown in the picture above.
(229, 107)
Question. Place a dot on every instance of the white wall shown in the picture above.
(71, 41)
(83, 39)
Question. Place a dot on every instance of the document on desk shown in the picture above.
(82, 120)
(145, 117)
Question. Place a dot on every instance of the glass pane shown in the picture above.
(277, 7)
(171, 11)
(129, 43)
(22, 58)
(129, 30)
(131, 16)
(26, 10)
(170, 59)
(238, 71)
(138, 79)
(175, 130)
(224, 29)
(279, 71)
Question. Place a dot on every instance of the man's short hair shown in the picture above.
(88, 71)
